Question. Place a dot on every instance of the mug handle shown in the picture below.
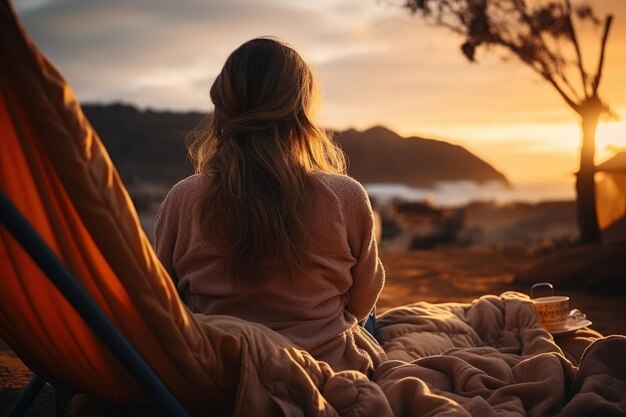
(539, 285)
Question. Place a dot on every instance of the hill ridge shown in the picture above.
(149, 146)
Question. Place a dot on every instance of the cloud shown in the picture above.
(112, 48)
(371, 57)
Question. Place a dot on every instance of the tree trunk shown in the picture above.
(585, 182)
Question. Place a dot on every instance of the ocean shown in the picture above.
(460, 193)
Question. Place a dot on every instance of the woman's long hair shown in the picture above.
(258, 150)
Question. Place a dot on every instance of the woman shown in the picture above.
(270, 229)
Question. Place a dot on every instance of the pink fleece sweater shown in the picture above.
(317, 311)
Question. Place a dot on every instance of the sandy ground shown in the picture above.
(441, 275)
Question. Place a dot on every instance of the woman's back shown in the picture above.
(317, 309)
(271, 231)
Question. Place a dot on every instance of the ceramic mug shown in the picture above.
(552, 310)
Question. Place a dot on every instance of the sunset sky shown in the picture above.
(376, 65)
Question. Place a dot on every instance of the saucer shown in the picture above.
(571, 325)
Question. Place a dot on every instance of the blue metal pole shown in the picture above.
(63, 279)
(27, 396)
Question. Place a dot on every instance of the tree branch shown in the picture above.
(579, 59)
(569, 85)
(544, 67)
(560, 74)
(549, 59)
(450, 27)
(543, 71)
(598, 77)
(558, 88)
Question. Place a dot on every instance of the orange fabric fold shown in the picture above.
(57, 172)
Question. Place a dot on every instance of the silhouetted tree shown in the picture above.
(542, 35)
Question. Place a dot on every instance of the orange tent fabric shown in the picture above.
(55, 169)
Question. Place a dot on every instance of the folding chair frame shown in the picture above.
(97, 321)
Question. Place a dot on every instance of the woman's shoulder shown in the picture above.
(342, 185)
(189, 186)
(181, 197)
(185, 192)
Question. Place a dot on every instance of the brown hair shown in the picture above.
(258, 149)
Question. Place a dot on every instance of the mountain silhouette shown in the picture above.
(148, 146)
(379, 155)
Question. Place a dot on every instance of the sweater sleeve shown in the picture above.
(368, 274)
(166, 231)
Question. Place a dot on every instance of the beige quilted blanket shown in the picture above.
(485, 358)
(490, 357)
